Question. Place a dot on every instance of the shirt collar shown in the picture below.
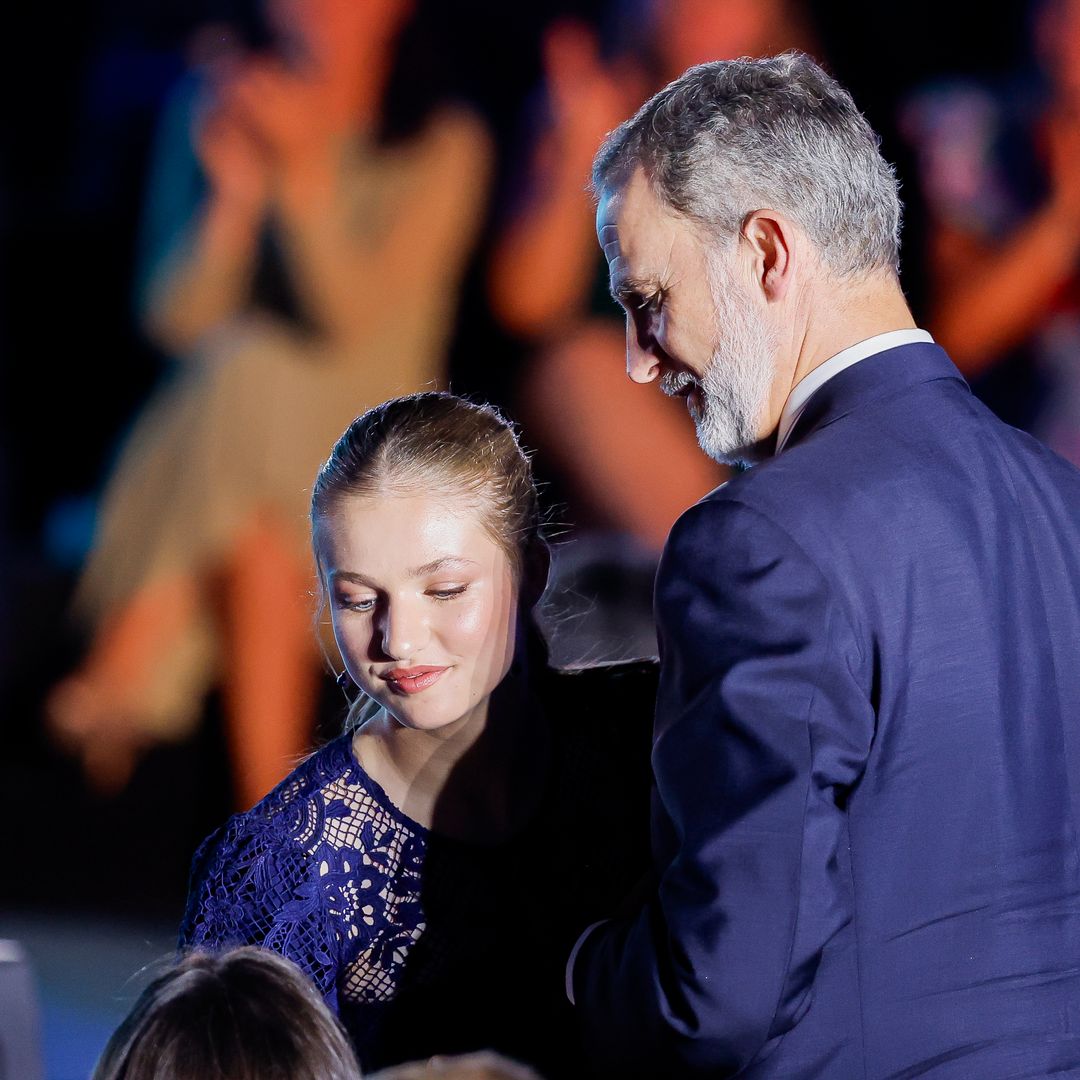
(807, 386)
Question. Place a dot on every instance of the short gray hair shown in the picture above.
(733, 136)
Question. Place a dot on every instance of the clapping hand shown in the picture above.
(233, 158)
(585, 97)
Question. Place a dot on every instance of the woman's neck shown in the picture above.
(476, 779)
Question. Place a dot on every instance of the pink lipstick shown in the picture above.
(413, 680)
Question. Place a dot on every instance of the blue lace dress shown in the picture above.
(423, 944)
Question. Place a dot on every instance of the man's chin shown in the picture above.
(734, 451)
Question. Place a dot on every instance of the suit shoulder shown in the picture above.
(753, 496)
(868, 457)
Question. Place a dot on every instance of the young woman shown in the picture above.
(431, 868)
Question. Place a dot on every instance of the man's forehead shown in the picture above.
(635, 229)
(607, 217)
(626, 217)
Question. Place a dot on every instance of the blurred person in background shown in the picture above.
(429, 868)
(301, 268)
(999, 169)
(247, 1014)
(631, 461)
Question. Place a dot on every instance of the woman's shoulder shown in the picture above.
(293, 815)
(265, 869)
(330, 764)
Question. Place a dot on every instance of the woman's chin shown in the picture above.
(428, 716)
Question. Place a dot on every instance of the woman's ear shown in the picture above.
(535, 569)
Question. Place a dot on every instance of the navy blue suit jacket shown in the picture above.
(866, 758)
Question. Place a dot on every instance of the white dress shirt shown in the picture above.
(807, 386)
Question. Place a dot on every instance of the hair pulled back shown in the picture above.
(437, 442)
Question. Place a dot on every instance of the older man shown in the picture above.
(867, 743)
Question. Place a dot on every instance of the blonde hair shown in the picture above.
(437, 442)
(484, 1065)
(442, 443)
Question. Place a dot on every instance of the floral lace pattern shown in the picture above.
(324, 871)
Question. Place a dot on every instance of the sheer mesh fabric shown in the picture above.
(324, 871)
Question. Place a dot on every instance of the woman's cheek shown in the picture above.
(353, 643)
(470, 624)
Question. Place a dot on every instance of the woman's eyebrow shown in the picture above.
(349, 575)
(443, 563)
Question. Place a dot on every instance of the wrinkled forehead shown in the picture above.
(607, 223)
(639, 234)
(629, 217)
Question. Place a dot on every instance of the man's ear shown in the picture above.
(773, 240)
(534, 573)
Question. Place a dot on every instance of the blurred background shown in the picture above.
(231, 225)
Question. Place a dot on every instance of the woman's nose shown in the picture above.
(402, 631)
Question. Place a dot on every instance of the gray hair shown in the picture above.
(733, 136)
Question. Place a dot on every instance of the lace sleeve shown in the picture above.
(252, 883)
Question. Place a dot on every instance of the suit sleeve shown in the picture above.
(763, 724)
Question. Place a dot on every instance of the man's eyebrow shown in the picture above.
(630, 288)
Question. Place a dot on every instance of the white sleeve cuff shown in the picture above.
(573, 956)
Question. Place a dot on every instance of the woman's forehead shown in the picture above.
(405, 532)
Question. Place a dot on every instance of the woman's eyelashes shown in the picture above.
(356, 603)
(447, 592)
(439, 593)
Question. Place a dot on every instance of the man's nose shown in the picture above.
(642, 363)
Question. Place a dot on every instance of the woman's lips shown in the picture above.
(413, 680)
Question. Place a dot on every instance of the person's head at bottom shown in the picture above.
(246, 1014)
(426, 530)
(484, 1065)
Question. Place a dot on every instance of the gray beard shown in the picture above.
(736, 383)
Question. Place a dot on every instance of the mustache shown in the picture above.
(674, 383)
